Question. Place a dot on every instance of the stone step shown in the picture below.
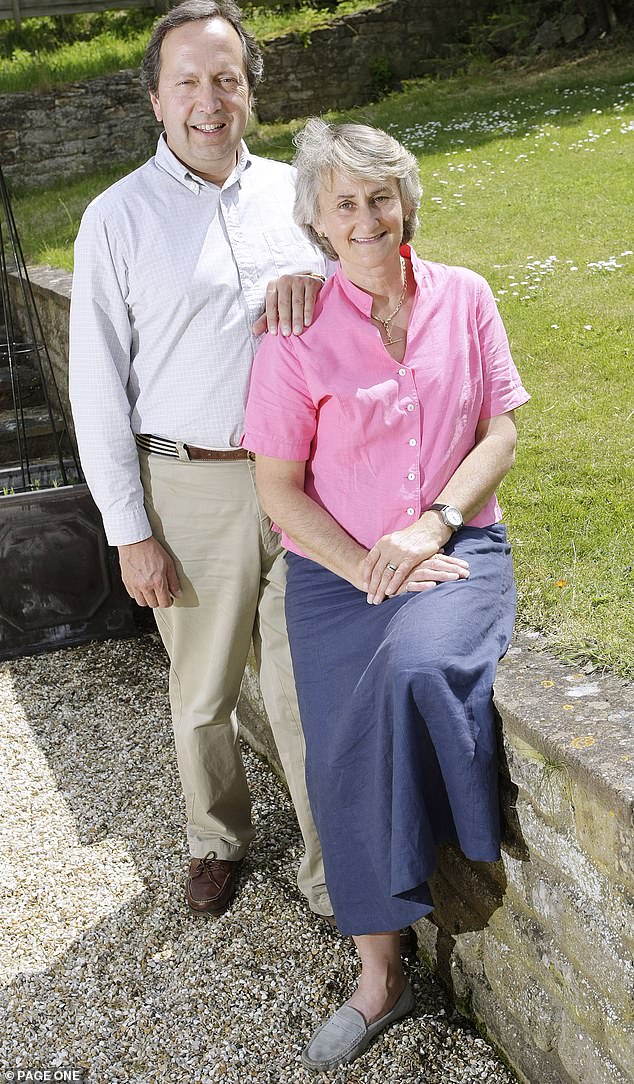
(29, 383)
(44, 473)
(19, 352)
(38, 431)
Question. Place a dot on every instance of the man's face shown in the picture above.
(203, 98)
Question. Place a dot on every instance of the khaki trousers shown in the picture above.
(233, 574)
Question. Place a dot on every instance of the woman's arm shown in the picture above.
(468, 489)
(280, 485)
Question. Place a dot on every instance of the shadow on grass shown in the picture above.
(432, 115)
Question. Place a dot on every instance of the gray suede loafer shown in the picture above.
(346, 1035)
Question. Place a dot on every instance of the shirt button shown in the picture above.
(412, 443)
(410, 511)
(402, 372)
(411, 477)
(410, 406)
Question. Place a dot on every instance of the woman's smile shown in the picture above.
(368, 240)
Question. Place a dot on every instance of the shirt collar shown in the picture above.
(363, 300)
(167, 161)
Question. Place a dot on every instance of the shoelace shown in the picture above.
(208, 864)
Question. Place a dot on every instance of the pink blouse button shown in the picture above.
(412, 443)
(410, 511)
(410, 406)
(402, 372)
(411, 477)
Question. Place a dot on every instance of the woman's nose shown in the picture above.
(368, 214)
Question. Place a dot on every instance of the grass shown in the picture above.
(51, 51)
(527, 178)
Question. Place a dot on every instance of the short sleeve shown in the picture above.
(502, 385)
(281, 416)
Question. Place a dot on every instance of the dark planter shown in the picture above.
(59, 579)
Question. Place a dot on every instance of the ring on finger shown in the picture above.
(392, 568)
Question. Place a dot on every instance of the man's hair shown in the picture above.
(192, 11)
(359, 151)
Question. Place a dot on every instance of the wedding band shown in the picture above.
(392, 568)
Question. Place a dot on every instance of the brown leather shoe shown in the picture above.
(211, 884)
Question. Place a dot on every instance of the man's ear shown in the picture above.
(156, 106)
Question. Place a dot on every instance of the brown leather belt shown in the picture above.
(176, 449)
(217, 455)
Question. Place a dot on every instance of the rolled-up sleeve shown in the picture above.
(281, 415)
(502, 384)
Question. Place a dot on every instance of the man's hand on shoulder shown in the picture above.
(290, 304)
(148, 573)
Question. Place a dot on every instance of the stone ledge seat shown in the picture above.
(537, 949)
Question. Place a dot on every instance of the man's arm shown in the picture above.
(100, 345)
(290, 303)
(149, 574)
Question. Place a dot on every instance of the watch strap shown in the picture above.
(442, 508)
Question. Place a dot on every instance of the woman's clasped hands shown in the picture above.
(401, 562)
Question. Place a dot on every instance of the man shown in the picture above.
(171, 268)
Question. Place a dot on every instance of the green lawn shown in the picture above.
(528, 179)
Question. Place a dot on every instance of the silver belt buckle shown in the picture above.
(182, 451)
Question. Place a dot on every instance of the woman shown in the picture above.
(381, 433)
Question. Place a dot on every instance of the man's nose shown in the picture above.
(209, 97)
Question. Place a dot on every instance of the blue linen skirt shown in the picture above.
(397, 711)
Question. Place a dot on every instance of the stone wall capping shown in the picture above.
(581, 723)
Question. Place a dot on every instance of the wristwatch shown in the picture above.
(450, 516)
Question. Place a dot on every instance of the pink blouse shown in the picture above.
(382, 438)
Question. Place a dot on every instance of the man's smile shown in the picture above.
(209, 127)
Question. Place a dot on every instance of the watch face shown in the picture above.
(453, 517)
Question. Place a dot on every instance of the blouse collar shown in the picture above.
(361, 299)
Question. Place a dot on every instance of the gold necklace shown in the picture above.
(389, 341)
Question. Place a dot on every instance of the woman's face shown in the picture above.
(362, 219)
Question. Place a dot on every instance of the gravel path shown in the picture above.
(102, 965)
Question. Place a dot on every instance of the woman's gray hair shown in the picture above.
(192, 11)
(359, 151)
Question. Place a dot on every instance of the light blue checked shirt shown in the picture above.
(170, 273)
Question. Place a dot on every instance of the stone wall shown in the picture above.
(537, 948)
(86, 126)
(51, 293)
(75, 130)
(348, 61)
